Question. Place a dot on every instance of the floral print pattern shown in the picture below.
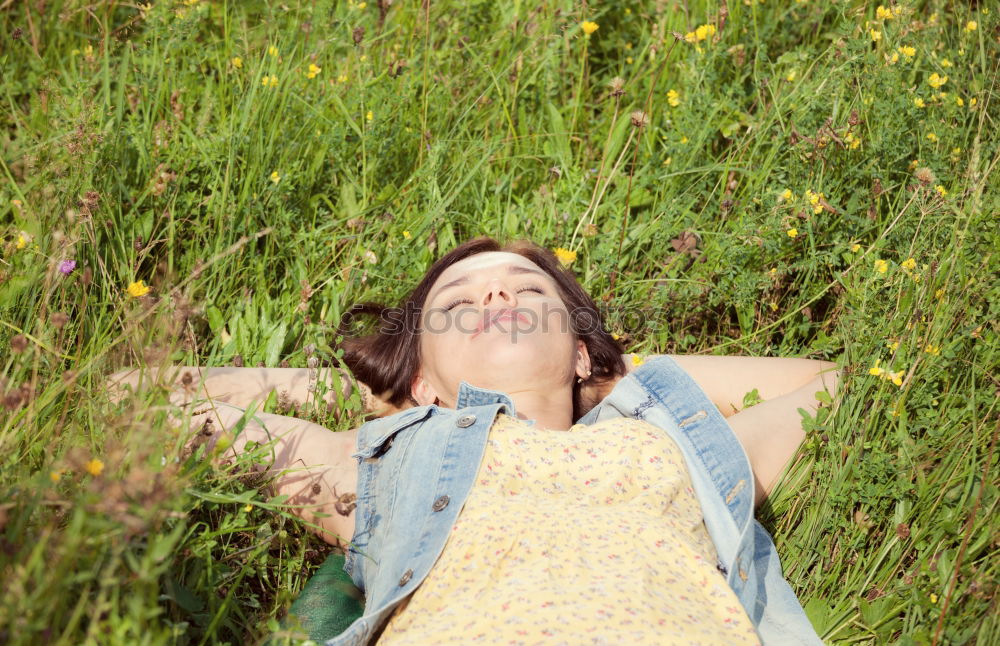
(586, 536)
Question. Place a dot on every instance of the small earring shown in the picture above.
(579, 380)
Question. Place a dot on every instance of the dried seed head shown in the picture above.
(238, 361)
(309, 349)
(17, 33)
(18, 344)
(59, 319)
(589, 230)
(312, 363)
(640, 119)
(358, 34)
(13, 399)
(555, 172)
(854, 119)
(617, 86)
(924, 175)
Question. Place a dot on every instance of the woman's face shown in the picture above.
(496, 320)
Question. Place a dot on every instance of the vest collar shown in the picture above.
(469, 395)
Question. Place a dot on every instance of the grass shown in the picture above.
(150, 143)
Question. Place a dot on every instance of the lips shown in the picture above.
(491, 319)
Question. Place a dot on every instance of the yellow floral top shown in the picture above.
(586, 536)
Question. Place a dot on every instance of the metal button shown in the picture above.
(466, 420)
(403, 580)
(441, 503)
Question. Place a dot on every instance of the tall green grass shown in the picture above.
(150, 143)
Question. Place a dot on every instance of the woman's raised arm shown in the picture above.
(244, 387)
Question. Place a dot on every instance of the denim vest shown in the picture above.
(417, 467)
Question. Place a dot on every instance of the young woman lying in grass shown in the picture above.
(527, 481)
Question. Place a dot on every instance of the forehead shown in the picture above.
(486, 262)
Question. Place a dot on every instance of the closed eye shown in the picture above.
(458, 301)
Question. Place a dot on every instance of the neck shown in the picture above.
(551, 410)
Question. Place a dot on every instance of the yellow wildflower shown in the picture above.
(881, 266)
(54, 476)
(773, 272)
(272, 50)
(786, 194)
(22, 242)
(668, 161)
(932, 349)
(909, 263)
(875, 34)
(855, 247)
(892, 345)
(973, 101)
(959, 101)
(792, 232)
(248, 508)
(628, 60)
(690, 37)
(936, 80)
(313, 70)
(814, 200)
(237, 62)
(369, 116)
(852, 141)
(588, 27)
(342, 78)
(945, 63)
(774, 306)
(791, 76)
(972, 25)
(881, 13)
(684, 139)
(362, 5)
(637, 360)
(934, 598)
(94, 467)
(875, 370)
(271, 81)
(704, 31)
(896, 377)
(615, 336)
(931, 136)
(137, 289)
(673, 98)
(275, 177)
(406, 235)
(894, 58)
(565, 256)
(939, 294)
(907, 51)
(917, 101)
(941, 190)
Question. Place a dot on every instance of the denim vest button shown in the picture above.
(466, 420)
(441, 503)
(403, 580)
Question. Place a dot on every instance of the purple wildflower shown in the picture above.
(67, 267)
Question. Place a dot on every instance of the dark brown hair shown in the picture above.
(388, 359)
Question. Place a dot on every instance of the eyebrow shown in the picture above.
(511, 269)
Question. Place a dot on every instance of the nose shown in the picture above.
(499, 295)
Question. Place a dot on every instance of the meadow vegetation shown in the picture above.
(211, 182)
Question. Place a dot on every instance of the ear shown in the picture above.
(422, 391)
(583, 365)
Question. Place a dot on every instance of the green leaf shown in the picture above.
(272, 354)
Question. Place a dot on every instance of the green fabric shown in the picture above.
(329, 603)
